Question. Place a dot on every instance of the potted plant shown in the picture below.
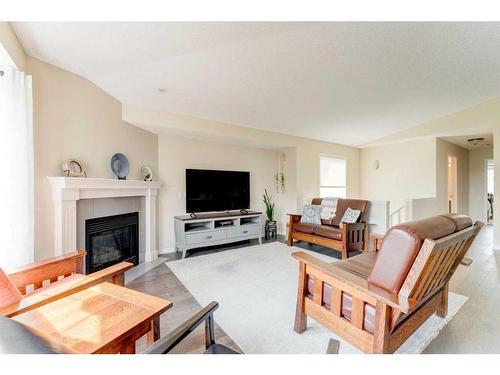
(270, 228)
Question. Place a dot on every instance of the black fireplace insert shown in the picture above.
(110, 240)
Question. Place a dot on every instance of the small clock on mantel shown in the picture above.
(73, 168)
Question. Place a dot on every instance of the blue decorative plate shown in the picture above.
(119, 166)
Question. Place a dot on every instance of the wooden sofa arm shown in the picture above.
(49, 269)
(43, 297)
(354, 284)
(376, 241)
(294, 217)
(354, 237)
(354, 226)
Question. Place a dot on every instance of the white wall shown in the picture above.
(406, 170)
(445, 149)
(438, 204)
(477, 183)
(175, 154)
(416, 170)
(496, 203)
(287, 201)
(307, 151)
(73, 118)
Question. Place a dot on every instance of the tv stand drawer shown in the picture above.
(199, 238)
(242, 231)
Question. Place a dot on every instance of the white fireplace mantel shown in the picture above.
(67, 190)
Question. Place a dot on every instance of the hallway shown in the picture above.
(476, 327)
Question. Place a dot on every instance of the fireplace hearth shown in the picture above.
(110, 240)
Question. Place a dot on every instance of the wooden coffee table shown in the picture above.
(106, 318)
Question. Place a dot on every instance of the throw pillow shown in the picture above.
(350, 216)
(329, 208)
(311, 214)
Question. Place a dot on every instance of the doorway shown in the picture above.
(452, 184)
(490, 174)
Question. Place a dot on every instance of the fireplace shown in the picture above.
(110, 240)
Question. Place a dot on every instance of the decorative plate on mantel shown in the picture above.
(119, 166)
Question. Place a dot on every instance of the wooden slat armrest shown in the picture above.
(353, 226)
(41, 298)
(345, 277)
(48, 269)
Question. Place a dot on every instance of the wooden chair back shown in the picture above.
(8, 291)
(37, 275)
(436, 262)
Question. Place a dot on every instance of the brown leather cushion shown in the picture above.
(356, 204)
(460, 221)
(399, 248)
(304, 227)
(328, 231)
(368, 322)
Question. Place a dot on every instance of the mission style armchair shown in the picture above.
(378, 299)
(351, 237)
(37, 284)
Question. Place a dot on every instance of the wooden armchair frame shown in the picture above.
(354, 237)
(205, 315)
(39, 275)
(397, 316)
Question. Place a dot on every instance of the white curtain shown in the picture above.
(16, 169)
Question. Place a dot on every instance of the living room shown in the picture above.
(335, 179)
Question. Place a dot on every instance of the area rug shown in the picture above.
(256, 288)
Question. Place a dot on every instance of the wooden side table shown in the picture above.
(106, 318)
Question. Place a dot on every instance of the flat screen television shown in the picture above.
(209, 190)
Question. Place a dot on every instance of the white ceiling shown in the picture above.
(462, 141)
(349, 83)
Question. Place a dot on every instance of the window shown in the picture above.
(490, 172)
(332, 176)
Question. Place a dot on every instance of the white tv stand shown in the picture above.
(208, 229)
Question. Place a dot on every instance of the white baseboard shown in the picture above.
(166, 250)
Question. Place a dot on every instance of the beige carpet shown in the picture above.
(256, 288)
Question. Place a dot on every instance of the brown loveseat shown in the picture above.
(378, 299)
(351, 237)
